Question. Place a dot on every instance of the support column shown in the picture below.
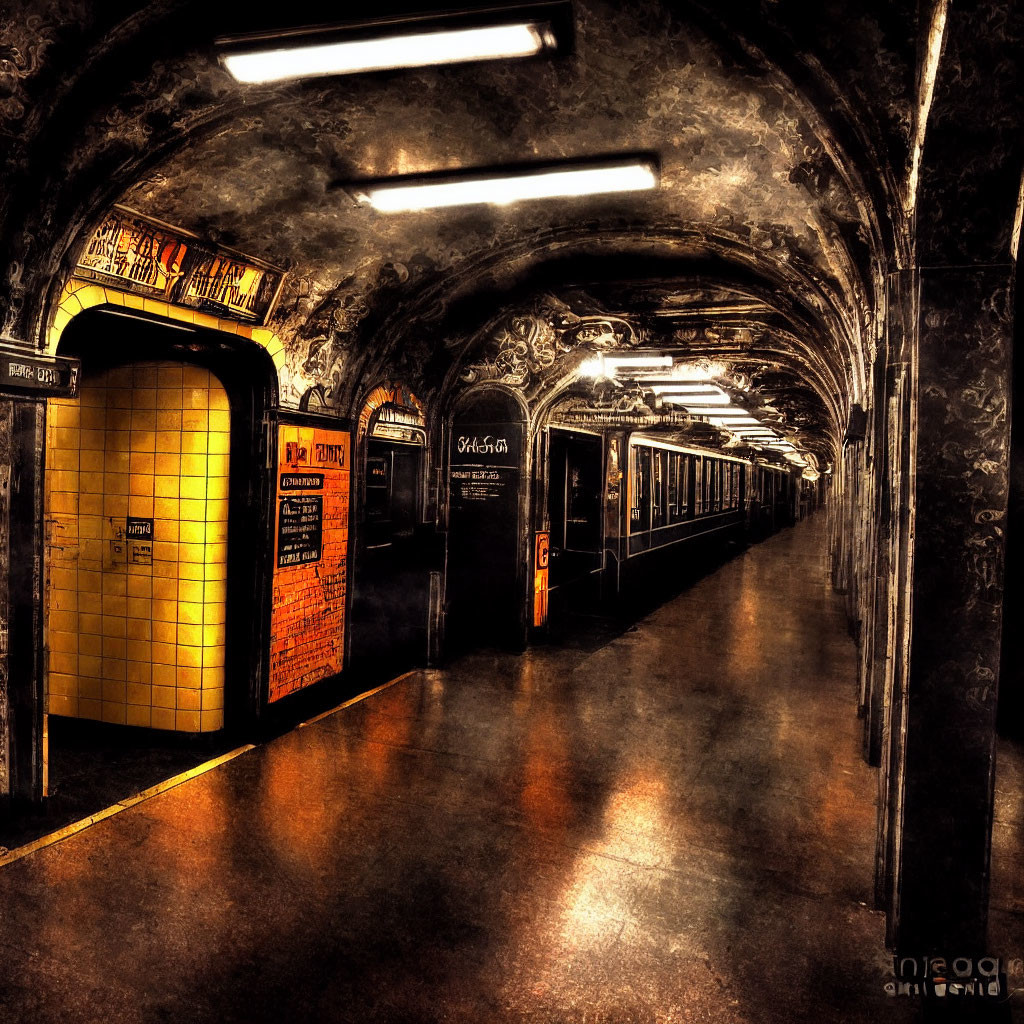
(22, 435)
(948, 720)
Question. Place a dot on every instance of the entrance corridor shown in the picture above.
(674, 826)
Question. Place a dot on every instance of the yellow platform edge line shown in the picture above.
(357, 699)
(162, 787)
(122, 805)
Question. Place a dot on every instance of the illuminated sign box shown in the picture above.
(149, 257)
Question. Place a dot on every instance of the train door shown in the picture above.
(485, 589)
(574, 512)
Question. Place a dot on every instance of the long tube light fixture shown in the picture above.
(711, 397)
(661, 388)
(719, 411)
(505, 33)
(642, 361)
(500, 186)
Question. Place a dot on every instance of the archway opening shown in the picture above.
(155, 606)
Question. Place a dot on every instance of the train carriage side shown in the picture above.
(683, 504)
(662, 511)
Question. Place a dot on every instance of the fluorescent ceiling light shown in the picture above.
(499, 188)
(720, 411)
(311, 59)
(692, 371)
(638, 361)
(713, 397)
(660, 387)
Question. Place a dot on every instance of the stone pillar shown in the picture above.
(961, 318)
(964, 352)
(22, 436)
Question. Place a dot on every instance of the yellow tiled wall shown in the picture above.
(138, 644)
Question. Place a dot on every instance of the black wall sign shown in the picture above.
(40, 374)
(300, 529)
(485, 465)
(302, 481)
(138, 529)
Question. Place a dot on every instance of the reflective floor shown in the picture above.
(676, 826)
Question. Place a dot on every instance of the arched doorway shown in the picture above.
(487, 482)
(393, 550)
(156, 570)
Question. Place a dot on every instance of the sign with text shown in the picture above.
(41, 374)
(146, 256)
(311, 554)
(541, 553)
(485, 461)
(299, 529)
(238, 288)
(138, 529)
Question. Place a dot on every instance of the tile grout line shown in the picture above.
(10, 856)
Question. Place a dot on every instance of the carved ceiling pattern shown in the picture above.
(770, 170)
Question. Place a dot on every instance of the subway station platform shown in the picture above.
(674, 826)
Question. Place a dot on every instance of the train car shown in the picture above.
(628, 512)
(774, 501)
(681, 504)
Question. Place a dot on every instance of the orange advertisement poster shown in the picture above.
(307, 631)
(542, 546)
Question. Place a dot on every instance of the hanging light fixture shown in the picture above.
(525, 30)
(501, 186)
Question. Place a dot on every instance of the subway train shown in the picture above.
(626, 509)
(588, 520)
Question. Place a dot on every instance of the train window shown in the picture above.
(726, 485)
(685, 462)
(677, 486)
(698, 485)
(658, 489)
(640, 513)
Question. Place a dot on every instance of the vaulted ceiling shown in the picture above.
(761, 247)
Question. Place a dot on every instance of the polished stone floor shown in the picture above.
(676, 826)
